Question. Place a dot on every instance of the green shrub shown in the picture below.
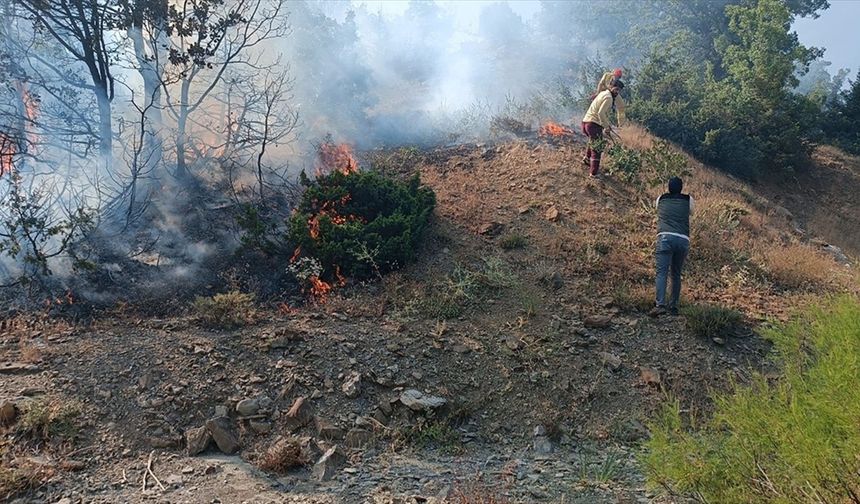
(795, 440)
(362, 223)
(711, 321)
(663, 162)
(231, 309)
(513, 241)
(257, 230)
(624, 163)
(437, 434)
(651, 167)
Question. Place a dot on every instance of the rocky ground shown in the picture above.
(536, 385)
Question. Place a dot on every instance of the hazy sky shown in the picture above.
(838, 32)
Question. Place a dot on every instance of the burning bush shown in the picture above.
(360, 224)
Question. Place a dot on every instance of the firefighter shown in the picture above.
(618, 105)
(595, 121)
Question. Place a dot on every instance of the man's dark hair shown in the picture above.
(617, 83)
(675, 185)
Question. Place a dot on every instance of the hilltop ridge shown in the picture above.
(525, 312)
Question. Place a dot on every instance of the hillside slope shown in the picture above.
(525, 312)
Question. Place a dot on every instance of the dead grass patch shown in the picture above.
(476, 493)
(798, 266)
(231, 309)
(30, 353)
(18, 480)
(287, 453)
(635, 297)
(49, 420)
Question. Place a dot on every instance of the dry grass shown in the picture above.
(49, 420)
(18, 480)
(30, 353)
(231, 309)
(798, 266)
(287, 453)
(476, 494)
(636, 297)
(635, 136)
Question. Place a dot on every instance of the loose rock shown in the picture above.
(418, 401)
(8, 413)
(356, 438)
(248, 407)
(597, 321)
(650, 376)
(299, 415)
(328, 430)
(328, 465)
(611, 360)
(221, 429)
(260, 427)
(352, 386)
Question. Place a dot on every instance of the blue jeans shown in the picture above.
(671, 252)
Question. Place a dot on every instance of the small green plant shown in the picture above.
(625, 164)
(609, 468)
(774, 442)
(256, 231)
(597, 144)
(513, 241)
(18, 480)
(228, 310)
(49, 420)
(439, 435)
(497, 274)
(600, 473)
(704, 321)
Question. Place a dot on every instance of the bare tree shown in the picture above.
(265, 119)
(81, 28)
(146, 25)
(208, 37)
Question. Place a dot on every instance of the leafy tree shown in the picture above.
(841, 122)
(723, 90)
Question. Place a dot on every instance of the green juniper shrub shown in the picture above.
(362, 223)
(257, 231)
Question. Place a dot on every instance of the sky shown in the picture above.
(837, 30)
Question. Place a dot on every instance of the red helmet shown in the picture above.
(617, 73)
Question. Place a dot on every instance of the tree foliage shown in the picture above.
(721, 86)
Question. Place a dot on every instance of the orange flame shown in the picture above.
(30, 111)
(7, 153)
(329, 210)
(336, 157)
(319, 289)
(552, 129)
